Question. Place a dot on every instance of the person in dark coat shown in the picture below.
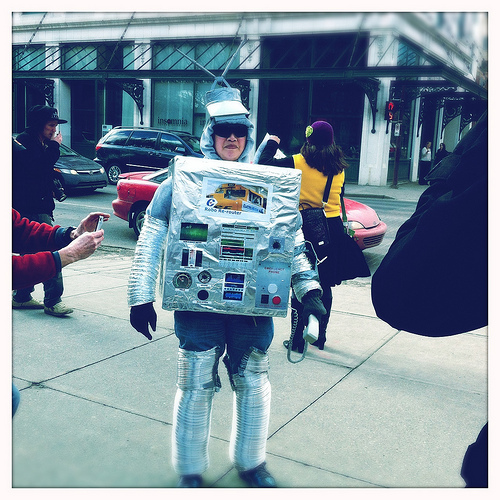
(429, 286)
(35, 152)
(440, 153)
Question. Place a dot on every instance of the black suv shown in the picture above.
(125, 149)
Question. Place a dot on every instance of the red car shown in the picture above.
(135, 190)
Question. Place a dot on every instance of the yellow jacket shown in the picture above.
(313, 186)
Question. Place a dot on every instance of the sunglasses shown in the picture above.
(226, 129)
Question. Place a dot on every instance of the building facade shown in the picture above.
(153, 69)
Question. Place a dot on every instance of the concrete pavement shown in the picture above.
(377, 408)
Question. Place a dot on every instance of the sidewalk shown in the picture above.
(405, 191)
(376, 408)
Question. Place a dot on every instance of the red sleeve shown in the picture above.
(31, 237)
(30, 269)
(33, 240)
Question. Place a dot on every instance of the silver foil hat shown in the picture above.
(224, 101)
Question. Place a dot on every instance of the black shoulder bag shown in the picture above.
(351, 261)
(315, 225)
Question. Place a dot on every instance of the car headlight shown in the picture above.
(102, 170)
(66, 171)
(353, 224)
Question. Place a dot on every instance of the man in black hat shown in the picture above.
(33, 190)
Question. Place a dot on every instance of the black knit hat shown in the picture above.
(39, 115)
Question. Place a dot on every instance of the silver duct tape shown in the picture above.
(252, 408)
(147, 259)
(304, 276)
(231, 237)
(193, 410)
(196, 369)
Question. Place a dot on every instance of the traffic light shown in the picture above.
(390, 110)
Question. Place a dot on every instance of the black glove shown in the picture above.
(313, 305)
(142, 316)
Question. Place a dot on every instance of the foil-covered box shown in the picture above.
(231, 237)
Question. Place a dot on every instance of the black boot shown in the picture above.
(296, 348)
(320, 343)
(191, 481)
(259, 477)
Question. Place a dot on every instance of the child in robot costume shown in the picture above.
(205, 336)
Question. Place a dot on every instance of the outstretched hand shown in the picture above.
(81, 247)
(89, 224)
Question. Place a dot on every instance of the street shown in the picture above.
(118, 235)
(77, 205)
(378, 407)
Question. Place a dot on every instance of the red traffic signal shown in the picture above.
(390, 109)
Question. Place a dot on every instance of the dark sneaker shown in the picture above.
(31, 304)
(59, 309)
(258, 477)
(192, 481)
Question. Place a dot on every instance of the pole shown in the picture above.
(397, 155)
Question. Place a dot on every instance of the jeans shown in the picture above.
(202, 331)
(16, 397)
(53, 288)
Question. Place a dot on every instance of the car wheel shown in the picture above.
(138, 215)
(113, 172)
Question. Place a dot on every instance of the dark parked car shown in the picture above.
(136, 190)
(130, 149)
(77, 172)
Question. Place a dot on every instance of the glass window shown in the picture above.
(158, 178)
(118, 138)
(143, 139)
(167, 57)
(80, 58)
(30, 58)
(216, 55)
(170, 143)
(200, 110)
(193, 142)
(173, 106)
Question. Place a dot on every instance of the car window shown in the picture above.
(193, 143)
(118, 138)
(170, 143)
(65, 151)
(159, 178)
(143, 139)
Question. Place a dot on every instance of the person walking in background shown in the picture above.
(33, 187)
(204, 336)
(318, 157)
(440, 153)
(425, 163)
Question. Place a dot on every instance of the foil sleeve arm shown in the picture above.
(147, 260)
(150, 247)
(304, 275)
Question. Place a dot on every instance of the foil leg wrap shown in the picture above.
(147, 259)
(196, 384)
(251, 410)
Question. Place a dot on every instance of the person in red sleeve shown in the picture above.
(46, 250)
